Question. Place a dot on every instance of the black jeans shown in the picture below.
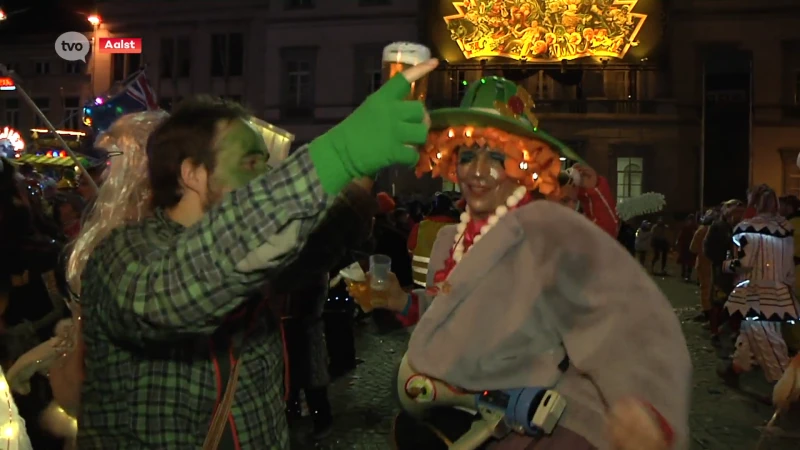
(660, 251)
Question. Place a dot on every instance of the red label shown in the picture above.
(120, 45)
(6, 82)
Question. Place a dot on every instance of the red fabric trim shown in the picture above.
(666, 429)
(749, 213)
(412, 237)
(413, 312)
(442, 219)
(217, 375)
(235, 433)
(599, 206)
(473, 229)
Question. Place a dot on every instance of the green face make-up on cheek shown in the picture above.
(241, 157)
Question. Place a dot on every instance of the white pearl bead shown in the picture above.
(512, 202)
(465, 217)
(501, 211)
(478, 238)
(521, 191)
(493, 220)
(485, 229)
(461, 227)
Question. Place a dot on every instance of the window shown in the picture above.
(42, 67)
(796, 86)
(73, 67)
(14, 67)
(791, 174)
(72, 113)
(298, 93)
(299, 83)
(227, 55)
(183, 57)
(167, 62)
(12, 112)
(593, 84)
(299, 4)
(123, 65)
(616, 85)
(629, 178)
(375, 78)
(44, 105)
(176, 58)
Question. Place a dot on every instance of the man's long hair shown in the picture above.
(126, 194)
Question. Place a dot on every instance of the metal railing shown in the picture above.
(584, 107)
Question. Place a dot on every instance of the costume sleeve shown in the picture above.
(620, 331)
(598, 205)
(696, 246)
(143, 287)
(716, 244)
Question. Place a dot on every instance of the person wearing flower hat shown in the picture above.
(526, 293)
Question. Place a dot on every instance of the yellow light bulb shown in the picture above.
(9, 431)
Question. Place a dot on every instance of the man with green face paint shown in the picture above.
(177, 335)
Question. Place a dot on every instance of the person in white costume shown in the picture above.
(764, 294)
(13, 435)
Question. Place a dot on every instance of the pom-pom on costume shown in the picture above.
(535, 297)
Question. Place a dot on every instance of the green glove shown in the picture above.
(376, 135)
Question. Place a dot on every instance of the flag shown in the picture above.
(135, 95)
(139, 90)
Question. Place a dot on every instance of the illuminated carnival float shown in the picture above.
(545, 30)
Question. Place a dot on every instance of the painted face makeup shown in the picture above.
(242, 156)
(483, 179)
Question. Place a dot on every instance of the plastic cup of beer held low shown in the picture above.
(356, 281)
(380, 266)
(398, 57)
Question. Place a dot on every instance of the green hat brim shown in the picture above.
(454, 117)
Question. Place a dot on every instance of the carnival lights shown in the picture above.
(563, 31)
(64, 132)
(12, 428)
(94, 20)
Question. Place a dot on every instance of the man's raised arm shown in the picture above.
(189, 284)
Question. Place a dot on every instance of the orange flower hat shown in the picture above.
(496, 113)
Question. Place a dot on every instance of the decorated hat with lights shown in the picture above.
(497, 113)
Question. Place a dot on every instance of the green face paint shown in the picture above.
(242, 156)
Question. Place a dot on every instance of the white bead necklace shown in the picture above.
(511, 202)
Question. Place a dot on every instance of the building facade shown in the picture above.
(705, 27)
(301, 64)
(643, 121)
(59, 88)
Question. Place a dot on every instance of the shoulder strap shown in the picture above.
(220, 418)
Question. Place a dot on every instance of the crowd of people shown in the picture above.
(193, 289)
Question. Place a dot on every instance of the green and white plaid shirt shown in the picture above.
(153, 295)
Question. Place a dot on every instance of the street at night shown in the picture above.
(364, 401)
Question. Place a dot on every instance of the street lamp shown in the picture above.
(2, 15)
(95, 21)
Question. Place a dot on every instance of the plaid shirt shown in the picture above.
(153, 295)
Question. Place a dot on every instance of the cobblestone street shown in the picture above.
(721, 419)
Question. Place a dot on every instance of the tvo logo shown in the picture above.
(73, 46)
